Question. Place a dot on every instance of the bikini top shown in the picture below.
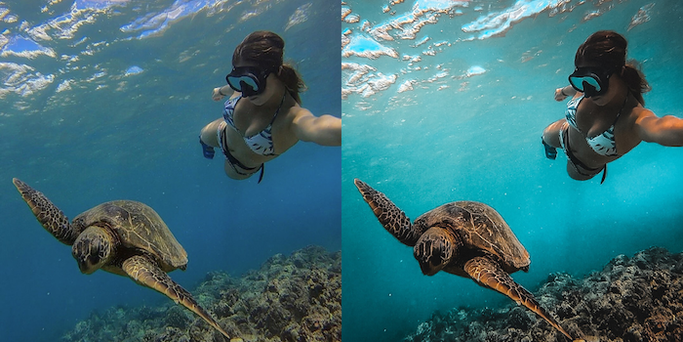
(261, 142)
(604, 143)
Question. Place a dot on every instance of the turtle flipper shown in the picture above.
(145, 272)
(52, 219)
(489, 274)
(393, 219)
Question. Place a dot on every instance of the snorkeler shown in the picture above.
(605, 117)
(262, 117)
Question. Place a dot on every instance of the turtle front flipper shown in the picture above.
(489, 274)
(52, 219)
(147, 273)
(393, 219)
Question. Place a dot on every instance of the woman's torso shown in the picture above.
(600, 135)
(250, 127)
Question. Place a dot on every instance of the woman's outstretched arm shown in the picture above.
(322, 130)
(666, 131)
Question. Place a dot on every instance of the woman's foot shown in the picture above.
(550, 152)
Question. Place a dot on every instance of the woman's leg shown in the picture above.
(551, 134)
(208, 133)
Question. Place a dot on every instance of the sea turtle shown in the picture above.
(465, 238)
(123, 237)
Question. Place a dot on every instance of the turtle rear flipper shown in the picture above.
(52, 219)
(489, 274)
(393, 219)
(144, 272)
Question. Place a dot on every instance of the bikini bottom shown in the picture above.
(234, 163)
(578, 165)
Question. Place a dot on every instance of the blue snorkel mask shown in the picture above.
(591, 81)
(249, 81)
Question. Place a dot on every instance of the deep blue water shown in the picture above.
(445, 101)
(105, 100)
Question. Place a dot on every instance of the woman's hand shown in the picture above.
(559, 95)
(563, 93)
(220, 92)
(216, 95)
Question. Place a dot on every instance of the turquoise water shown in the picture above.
(442, 101)
(104, 100)
(446, 101)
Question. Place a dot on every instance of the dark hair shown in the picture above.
(607, 49)
(265, 49)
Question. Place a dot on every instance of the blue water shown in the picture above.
(105, 100)
(446, 101)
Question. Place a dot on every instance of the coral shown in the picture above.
(636, 299)
(295, 298)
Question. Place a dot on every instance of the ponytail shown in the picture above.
(635, 80)
(292, 81)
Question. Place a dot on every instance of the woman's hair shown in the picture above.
(265, 49)
(607, 49)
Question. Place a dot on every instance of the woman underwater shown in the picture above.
(605, 117)
(262, 117)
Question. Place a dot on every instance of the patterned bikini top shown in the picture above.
(604, 143)
(261, 142)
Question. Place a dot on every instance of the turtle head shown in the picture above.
(435, 249)
(93, 248)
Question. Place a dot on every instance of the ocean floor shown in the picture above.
(295, 298)
(631, 299)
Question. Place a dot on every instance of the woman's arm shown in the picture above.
(220, 92)
(666, 131)
(322, 130)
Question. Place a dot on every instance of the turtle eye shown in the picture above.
(86, 255)
(435, 260)
(91, 249)
(93, 258)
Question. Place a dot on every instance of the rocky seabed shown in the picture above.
(631, 300)
(295, 298)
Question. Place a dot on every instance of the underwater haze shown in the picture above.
(446, 101)
(104, 100)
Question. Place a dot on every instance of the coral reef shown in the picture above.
(631, 299)
(295, 298)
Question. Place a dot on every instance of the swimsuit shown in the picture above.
(604, 143)
(234, 163)
(575, 162)
(261, 142)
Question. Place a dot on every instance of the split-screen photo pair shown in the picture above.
(325, 171)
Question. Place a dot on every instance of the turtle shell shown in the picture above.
(480, 227)
(138, 227)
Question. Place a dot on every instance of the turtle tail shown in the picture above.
(393, 219)
(52, 219)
